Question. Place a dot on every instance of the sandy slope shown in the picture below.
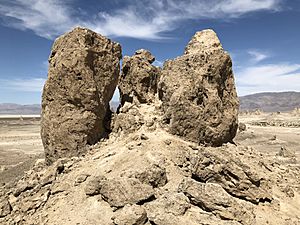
(61, 198)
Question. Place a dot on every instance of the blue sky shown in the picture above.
(262, 37)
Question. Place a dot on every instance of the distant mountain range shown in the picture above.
(271, 101)
(16, 109)
(268, 102)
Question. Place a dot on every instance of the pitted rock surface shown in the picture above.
(83, 74)
(213, 198)
(139, 78)
(235, 174)
(142, 174)
(198, 92)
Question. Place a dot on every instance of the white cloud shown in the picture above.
(46, 18)
(158, 63)
(27, 85)
(257, 55)
(142, 19)
(268, 78)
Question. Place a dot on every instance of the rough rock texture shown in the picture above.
(128, 120)
(142, 174)
(5, 207)
(198, 92)
(234, 174)
(285, 152)
(130, 215)
(121, 191)
(153, 177)
(212, 197)
(168, 209)
(82, 77)
(139, 78)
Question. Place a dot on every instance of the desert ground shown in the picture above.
(21, 145)
(269, 132)
(276, 137)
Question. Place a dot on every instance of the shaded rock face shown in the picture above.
(83, 74)
(198, 92)
(139, 78)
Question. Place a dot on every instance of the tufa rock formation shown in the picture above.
(83, 74)
(161, 180)
(142, 174)
(139, 78)
(198, 92)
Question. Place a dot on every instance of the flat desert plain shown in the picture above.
(20, 145)
(269, 133)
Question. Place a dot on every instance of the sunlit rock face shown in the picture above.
(198, 92)
(83, 74)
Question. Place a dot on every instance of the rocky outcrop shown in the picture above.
(121, 191)
(130, 214)
(161, 179)
(233, 173)
(139, 78)
(142, 174)
(213, 198)
(83, 74)
(198, 92)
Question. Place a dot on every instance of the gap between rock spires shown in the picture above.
(166, 157)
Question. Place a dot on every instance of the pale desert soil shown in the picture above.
(269, 139)
(20, 145)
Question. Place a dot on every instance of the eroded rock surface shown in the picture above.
(130, 214)
(235, 174)
(139, 78)
(142, 174)
(213, 198)
(168, 209)
(82, 77)
(198, 92)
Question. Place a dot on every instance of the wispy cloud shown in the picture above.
(268, 78)
(23, 85)
(144, 19)
(258, 56)
(46, 18)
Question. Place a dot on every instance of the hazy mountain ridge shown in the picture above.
(266, 101)
(271, 101)
(15, 109)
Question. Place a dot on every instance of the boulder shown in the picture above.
(139, 78)
(213, 198)
(121, 191)
(198, 92)
(286, 152)
(5, 207)
(154, 175)
(242, 127)
(83, 74)
(130, 215)
(168, 209)
(239, 176)
(128, 120)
